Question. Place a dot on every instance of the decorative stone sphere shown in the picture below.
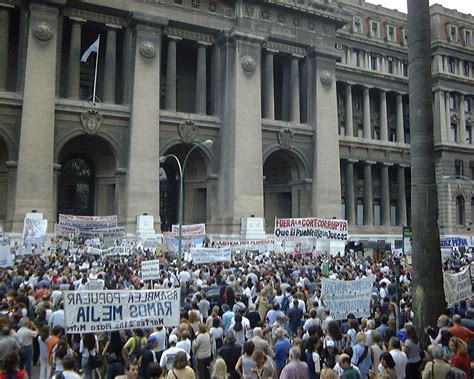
(248, 64)
(148, 49)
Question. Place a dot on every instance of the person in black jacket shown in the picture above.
(230, 352)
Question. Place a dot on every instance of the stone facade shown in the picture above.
(306, 103)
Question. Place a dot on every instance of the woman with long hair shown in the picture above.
(460, 358)
(89, 346)
(202, 350)
(58, 353)
(238, 329)
(10, 367)
(378, 348)
(312, 357)
(219, 370)
(334, 333)
(180, 369)
(412, 350)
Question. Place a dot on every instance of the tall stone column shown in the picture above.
(56, 173)
(215, 83)
(440, 128)
(385, 195)
(350, 198)
(22, 48)
(447, 95)
(110, 64)
(201, 81)
(368, 197)
(349, 115)
(74, 63)
(367, 126)
(285, 85)
(462, 120)
(4, 37)
(326, 184)
(34, 188)
(295, 90)
(11, 191)
(400, 128)
(269, 86)
(401, 198)
(240, 180)
(383, 116)
(127, 59)
(142, 182)
(170, 98)
(348, 56)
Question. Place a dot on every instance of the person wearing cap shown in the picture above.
(148, 356)
(167, 358)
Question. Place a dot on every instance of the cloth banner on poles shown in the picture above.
(327, 229)
(347, 296)
(88, 222)
(208, 255)
(102, 311)
(457, 286)
(189, 230)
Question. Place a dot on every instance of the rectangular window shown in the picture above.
(357, 25)
(355, 58)
(469, 134)
(467, 37)
(391, 35)
(374, 29)
(453, 33)
(358, 106)
(377, 212)
(390, 65)
(376, 133)
(360, 212)
(405, 36)
(342, 129)
(374, 62)
(458, 167)
(343, 209)
(405, 69)
(466, 68)
(393, 214)
(360, 130)
(451, 65)
(453, 136)
(452, 102)
(467, 105)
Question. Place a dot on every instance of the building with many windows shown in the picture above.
(306, 102)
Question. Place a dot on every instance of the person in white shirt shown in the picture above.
(398, 356)
(185, 342)
(167, 358)
(57, 317)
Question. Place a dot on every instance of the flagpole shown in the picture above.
(95, 73)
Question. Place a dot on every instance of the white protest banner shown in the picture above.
(93, 250)
(453, 241)
(260, 245)
(6, 259)
(319, 228)
(119, 250)
(457, 286)
(1, 232)
(347, 296)
(34, 230)
(190, 230)
(114, 233)
(101, 311)
(65, 231)
(204, 255)
(150, 270)
(88, 222)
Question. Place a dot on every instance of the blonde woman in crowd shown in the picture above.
(219, 370)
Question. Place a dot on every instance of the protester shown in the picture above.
(295, 369)
(437, 368)
(460, 358)
(180, 368)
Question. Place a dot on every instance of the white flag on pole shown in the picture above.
(92, 49)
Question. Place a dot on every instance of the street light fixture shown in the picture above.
(207, 143)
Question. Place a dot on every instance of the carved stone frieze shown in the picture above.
(187, 131)
(92, 121)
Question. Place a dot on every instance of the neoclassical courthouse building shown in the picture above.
(306, 102)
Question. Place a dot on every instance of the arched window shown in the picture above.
(460, 219)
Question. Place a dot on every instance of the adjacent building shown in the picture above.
(306, 103)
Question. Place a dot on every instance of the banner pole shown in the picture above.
(95, 73)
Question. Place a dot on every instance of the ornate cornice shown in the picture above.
(189, 35)
(93, 16)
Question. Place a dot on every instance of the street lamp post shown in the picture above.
(182, 168)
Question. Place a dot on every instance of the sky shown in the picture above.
(464, 6)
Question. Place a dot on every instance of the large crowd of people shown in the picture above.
(259, 316)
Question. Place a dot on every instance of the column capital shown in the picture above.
(174, 38)
(403, 165)
(3, 6)
(296, 56)
(370, 163)
(11, 164)
(57, 167)
(78, 19)
(136, 18)
(271, 51)
(203, 44)
(113, 26)
(388, 164)
(350, 160)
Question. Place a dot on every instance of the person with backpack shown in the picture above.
(362, 357)
(134, 345)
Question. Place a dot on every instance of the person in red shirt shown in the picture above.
(457, 330)
(460, 358)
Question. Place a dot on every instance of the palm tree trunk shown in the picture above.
(427, 285)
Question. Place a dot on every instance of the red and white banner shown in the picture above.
(319, 228)
(190, 230)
